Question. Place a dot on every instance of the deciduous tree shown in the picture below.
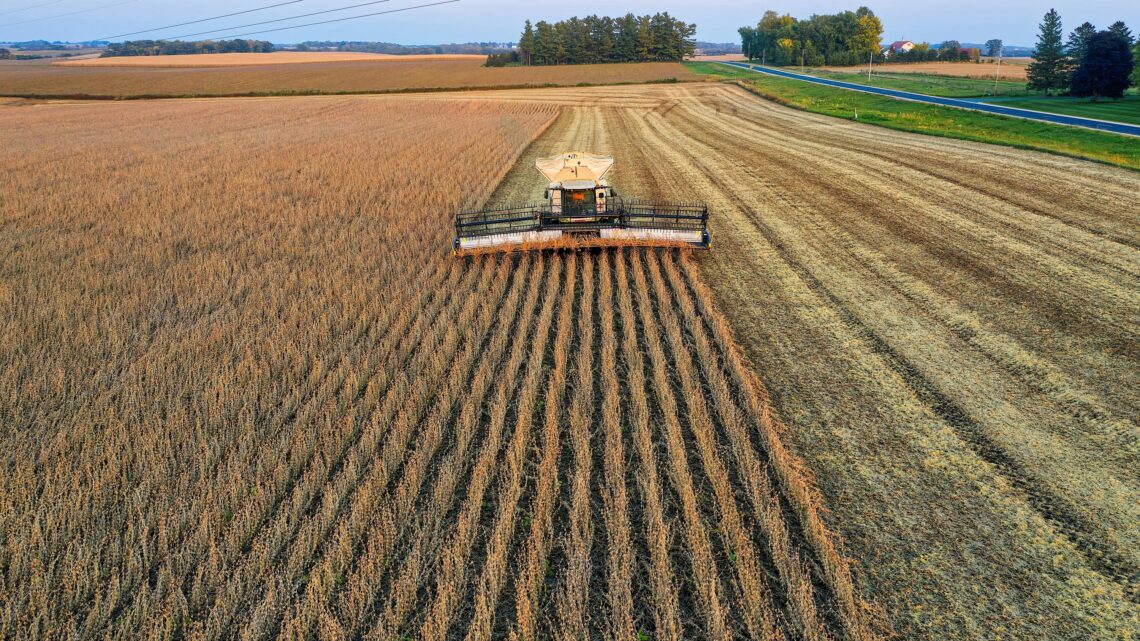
(994, 47)
(845, 38)
(1136, 65)
(868, 34)
(1106, 69)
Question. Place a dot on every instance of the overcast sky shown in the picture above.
(1015, 21)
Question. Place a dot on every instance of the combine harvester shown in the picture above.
(581, 210)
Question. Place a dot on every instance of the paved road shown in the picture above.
(1060, 119)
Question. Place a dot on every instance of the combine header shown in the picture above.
(581, 209)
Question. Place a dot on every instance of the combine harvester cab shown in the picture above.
(581, 210)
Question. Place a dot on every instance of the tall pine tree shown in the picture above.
(1049, 70)
(526, 44)
(1078, 43)
(1122, 30)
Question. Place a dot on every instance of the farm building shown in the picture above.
(898, 46)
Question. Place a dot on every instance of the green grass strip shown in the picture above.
(1126, 109)
(948, 122)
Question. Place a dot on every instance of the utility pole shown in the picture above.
(870, 59)
(997, 76)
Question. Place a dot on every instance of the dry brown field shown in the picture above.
(247, 392)
(247, 59)
(726, 57)
(237, 401)
(949, 329)
(1009, 70)
(29, 79)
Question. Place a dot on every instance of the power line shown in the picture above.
(366, 15)
(183, 24)
(257, 24)
(71, 13)
(34, 6)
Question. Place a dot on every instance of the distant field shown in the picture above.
(725, 57)
(57, 53)
(383, 76)
(1009, 71)
(931, 84)
(78, 81)
(248, 59)
(1124, 110)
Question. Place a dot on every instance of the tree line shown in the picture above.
(595, 39)
(845, 38)
(179, 47)
(1090, 63)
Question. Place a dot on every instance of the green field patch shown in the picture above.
(720, 71)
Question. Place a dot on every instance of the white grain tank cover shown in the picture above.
(576, 165)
